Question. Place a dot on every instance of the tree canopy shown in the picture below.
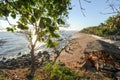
(43, 15)
(40, 18)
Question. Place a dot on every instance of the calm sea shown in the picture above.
(13, 43)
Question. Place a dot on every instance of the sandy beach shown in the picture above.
(74, 52)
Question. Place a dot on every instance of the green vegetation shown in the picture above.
(110, 27)
(2, 77)
(58, 72)
(40, 18)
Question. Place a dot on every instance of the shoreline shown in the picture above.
(6, 62)
(71, 57)
(16, 39)
(76, 44)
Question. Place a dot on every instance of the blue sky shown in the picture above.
(92, 12)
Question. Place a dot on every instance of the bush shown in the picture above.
(58, 72)
(2, 77)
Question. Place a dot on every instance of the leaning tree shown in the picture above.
(39, 17)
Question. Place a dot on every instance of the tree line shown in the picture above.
(110, 27)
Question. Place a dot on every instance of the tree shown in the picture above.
(40, 17)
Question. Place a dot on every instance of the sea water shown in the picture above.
(15, 43)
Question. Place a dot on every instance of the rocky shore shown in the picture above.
(84, 53)
(92, 55)
(24, 61)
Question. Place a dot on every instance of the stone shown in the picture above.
(3, 58)
(1, 71)
(39, 54)
(100, 53)
(24, 55)
(23, 61)
(19, 53)
(46, 55)
(118, 74)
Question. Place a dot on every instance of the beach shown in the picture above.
(71, 56)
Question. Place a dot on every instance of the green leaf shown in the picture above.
(37, 14)
(51, 44)
(42, 13)
(22, 27)
(43, 39)
(60, 21)
(33, 19)
(41, 23)
(56, 35)
(10, 29)
(51, 29)
(23, 20)
(13, 15)
(48, 20)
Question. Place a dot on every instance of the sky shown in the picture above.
(92, 13)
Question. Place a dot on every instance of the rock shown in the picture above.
(2, 65)
(110, 75)
(100, 53)
(104, 47)
(45, 52)
(19, 53)
(46, 55)
(1, 71)
(3, 58)
(118, 74)
(24, 55)
(39, 54)
(23, 61)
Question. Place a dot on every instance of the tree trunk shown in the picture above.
(32, 68)
(32, 60)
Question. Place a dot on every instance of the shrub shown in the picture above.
(58, 72)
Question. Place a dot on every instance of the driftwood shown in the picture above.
(102, 54)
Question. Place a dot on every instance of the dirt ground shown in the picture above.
(73, 54)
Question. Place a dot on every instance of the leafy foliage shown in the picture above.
(43, 15)
(110, 27)
(57, 72)
(40, 18)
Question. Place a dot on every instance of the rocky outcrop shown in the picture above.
(24, 61)
(103, 56)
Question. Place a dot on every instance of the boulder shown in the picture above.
(102, 54)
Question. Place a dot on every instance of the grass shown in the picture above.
(2, 77)
(57, 72)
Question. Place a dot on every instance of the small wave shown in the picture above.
(17, 43)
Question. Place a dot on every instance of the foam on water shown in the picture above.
(17, 43)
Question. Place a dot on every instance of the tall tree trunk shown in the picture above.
(32, 67)
(32, 60)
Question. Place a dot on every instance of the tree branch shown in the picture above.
(87, 1)
(82, 9)
(112, 6)
(9, 22)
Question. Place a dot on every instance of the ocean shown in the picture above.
(11, 44)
